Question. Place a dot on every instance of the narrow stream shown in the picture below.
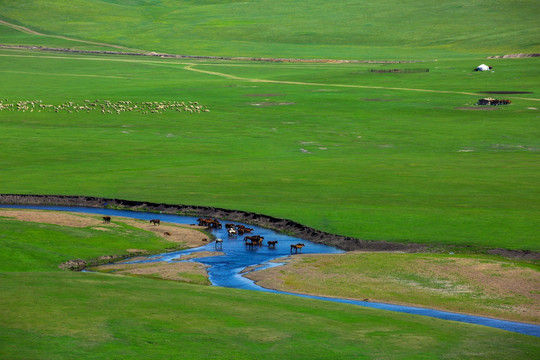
(225, 270)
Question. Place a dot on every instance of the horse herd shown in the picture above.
(233, 230)
(251, 241)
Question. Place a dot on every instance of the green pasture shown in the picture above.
(48, 313)
(410, 30)
(333, 146)
(36, 247)
(480, 285)
(401, 157)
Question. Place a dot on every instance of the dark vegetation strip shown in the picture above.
(346, 243)
(176, 56)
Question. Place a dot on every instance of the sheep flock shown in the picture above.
(104, 106)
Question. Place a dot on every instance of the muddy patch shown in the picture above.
(476, 108)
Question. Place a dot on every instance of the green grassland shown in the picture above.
(30, 247)
(314, 29)
(481, 285)
(378, 156)
(48, 313)
(385, 162)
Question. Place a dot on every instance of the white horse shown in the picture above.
(219, 243)
(231, 231)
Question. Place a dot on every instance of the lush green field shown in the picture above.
(359, 153)
(310, 29)
(30, 246)
(381, 156)
(47, 313)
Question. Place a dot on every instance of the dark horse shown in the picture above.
(106, 219)
(155, 221)
(272, 243)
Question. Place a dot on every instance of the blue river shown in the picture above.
(225, 270)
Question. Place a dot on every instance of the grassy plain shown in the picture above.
(48, 313)
(279, 28)
(333, 146)
(480, 285)
(42, 246)
(379, 156)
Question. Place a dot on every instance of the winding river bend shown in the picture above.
(225, 270)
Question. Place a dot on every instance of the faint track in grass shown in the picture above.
(33, 32)
(233, 77)
(191, 67)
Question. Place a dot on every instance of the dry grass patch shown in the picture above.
(481, 286)
(190, 272)
(56, 218)
(200, 254)
(190, 235)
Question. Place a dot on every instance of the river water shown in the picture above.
(225, 270)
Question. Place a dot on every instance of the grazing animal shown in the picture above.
(219, 243)
(155, 221)
(297, 247)
(210, 223)
(167, 233)
(244, 230)
(106, 219)
(255, 239)
(272, 243)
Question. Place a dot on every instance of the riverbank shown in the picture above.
(345, 243)
(486, 286)
(162, 270)
(177, 237)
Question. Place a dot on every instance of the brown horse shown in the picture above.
(272, 243)
(244, 230)
(106, 219)
(297, 247)
(255, 239)
(155, 221)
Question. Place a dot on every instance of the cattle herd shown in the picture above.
(104, 106)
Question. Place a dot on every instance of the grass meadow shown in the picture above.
(48, 313)
(396, 156)
(357, 153)
(482, 285)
